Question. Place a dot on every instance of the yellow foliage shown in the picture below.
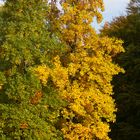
(77, 17)
(85, 82)
(60, 79)
(43, 73)
(0, 86)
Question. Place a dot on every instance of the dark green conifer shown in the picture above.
(127, 86)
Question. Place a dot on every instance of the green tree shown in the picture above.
(134, 7)
(28, 110)
(127, 85)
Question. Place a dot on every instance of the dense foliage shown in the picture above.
(28, 110)
(127, 86)
(83, 74)
(55, 71)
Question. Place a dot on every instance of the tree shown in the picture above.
(82, 75)
(52, 93)
(28, 109)
(126, 86)
(134, 7)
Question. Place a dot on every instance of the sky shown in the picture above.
(113, 8)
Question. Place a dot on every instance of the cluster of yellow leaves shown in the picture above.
(85, 81)
(74, 23)
(43, 73)
(0, 86)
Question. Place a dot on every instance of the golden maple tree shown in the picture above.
(83, 75)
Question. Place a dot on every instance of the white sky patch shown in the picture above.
(1, 2)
